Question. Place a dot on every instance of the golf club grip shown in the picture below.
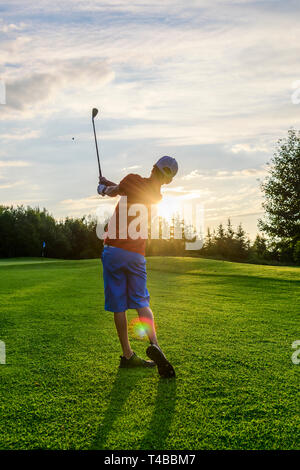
(99, 166)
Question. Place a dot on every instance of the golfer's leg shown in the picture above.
(146, 312)
(122, 329)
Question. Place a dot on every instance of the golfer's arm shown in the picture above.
(112, 191)
(108, 183)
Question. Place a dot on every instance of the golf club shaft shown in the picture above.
(100, 172)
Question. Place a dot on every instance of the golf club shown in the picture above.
(94, 114)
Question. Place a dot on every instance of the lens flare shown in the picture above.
(141, 327)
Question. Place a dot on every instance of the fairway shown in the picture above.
(227, 327)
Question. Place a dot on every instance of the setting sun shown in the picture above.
(169, 207)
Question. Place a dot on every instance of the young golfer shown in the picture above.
(123, 259)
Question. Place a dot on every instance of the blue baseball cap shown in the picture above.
(167, 165)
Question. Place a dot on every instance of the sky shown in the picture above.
(209, 82)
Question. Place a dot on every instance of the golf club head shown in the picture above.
(94, 112)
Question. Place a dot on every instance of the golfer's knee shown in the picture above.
(144, 311)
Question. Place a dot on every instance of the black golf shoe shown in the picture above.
(165, 368)
(134, 361)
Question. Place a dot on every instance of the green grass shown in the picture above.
(227, 327)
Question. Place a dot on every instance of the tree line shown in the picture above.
(228, 244)
(24, 230)
(279, 237)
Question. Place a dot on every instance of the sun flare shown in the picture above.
(169, 207)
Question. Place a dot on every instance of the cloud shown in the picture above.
(225, 174)
(6, 28)
(7, 164)
(89, 203)
(133, 167)
(21, 134)
(168, 73)
(29, 92)
(13, 163)
(193, 174)
(183, 193)
(23, 202)
(162, 68)
(237, 148)
(245, 173)
(11, 185)
(134, 7)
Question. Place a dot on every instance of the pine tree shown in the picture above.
(230, 231)
(241, 243)
(282, 191)
(230, 242)
(220, 232)
(260, 246)
(208, 240)
(221, 241)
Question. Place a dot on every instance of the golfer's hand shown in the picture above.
(101, 189)
(103, 180)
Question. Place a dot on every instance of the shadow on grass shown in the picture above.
(124, 383)
(158, 428)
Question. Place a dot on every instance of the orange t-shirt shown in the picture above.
(138, 191)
